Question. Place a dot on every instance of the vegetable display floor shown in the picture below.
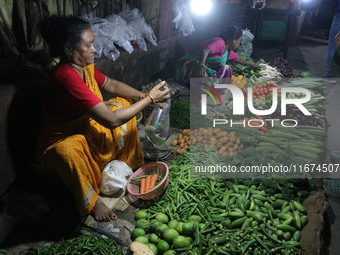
(309, 55)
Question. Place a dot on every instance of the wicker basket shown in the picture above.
(147, 169)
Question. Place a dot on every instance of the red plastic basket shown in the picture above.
(147, 169)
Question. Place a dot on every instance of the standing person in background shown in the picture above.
(333, 31)
(335, 62)
(212, 57)
(80, 132)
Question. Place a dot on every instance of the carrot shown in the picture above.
(147, 186)
(142, 185)
(153, 181)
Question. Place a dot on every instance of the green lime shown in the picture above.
(181, 242)
(153, 238)
(179, 227)
(172, 224)
(162, 217)
(160, 229)
(169, 235)
(195, 218)
(137, 232)
(189, 239)
(188, 227)
(153, 248)
(163, 246)
(142, 239)
(141, 214)
(154, 224)
(143, 224)
(169, 252)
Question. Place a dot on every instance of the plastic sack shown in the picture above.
(110, 31)
(245, 44)
(158, 124)
(114, 177)
(183, 20)
(141, 29)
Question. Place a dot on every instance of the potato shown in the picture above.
(174, 142)
(179, 150)
(186, 131)
(213, 140)
(221, 150)
(179, 136)
(232, 139)
(180, 140)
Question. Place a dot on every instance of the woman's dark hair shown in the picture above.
(62, 33)
(231, 33)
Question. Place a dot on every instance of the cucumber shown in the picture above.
(286, 228)
(258, 216)
(284, 135)
(259, 197)
(238, 223)
(297, 219)
(307, 149)
(304, 220)
(270, 145)
(284, 216)
(296, 236)
(299, 206)
(306, 154)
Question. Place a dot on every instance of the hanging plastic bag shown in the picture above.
(245, 44)
(183, 19)
(114, 177)
(141, 29)
(158, 124)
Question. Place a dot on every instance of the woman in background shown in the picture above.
(80, 132)
(212, 59)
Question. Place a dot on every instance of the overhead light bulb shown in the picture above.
(201, 7)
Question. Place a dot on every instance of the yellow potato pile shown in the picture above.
(182, 141)
(226, 144)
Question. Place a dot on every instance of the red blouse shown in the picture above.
(67, 95)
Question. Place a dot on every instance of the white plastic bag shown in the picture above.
(141, 29)
(183, 19)
(245, 44)
(114, 177)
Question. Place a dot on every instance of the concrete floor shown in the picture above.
(309, 55)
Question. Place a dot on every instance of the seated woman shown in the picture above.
(212, 59)
(80, 132)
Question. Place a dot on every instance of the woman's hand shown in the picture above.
(159, 92)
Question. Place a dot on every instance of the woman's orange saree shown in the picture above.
(78, 151)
